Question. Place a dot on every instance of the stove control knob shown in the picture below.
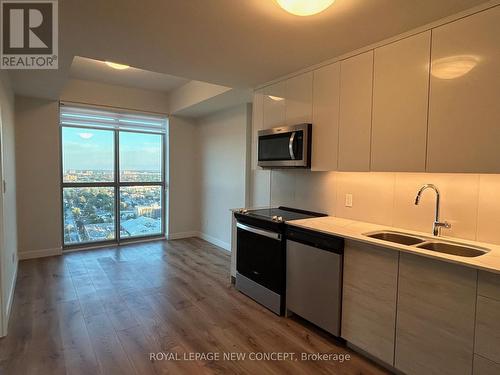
(280, 219)
(275, 218)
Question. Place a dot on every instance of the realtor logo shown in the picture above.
(29, 34)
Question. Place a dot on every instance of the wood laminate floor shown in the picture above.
(103, 311)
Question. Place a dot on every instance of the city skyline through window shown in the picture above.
(112, 184)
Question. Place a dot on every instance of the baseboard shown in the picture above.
(224, 245)
(32, 254)
(179, 235)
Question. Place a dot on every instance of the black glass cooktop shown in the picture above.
(286, 213)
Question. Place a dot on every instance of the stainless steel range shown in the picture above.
(261, 253)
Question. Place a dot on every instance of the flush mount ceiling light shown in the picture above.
(453, 66)
(304, 7)
(276, 98)
(116, 65)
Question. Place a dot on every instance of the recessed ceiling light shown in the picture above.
(453, 66)
(85, 135)
(116, 65)
(304, 7)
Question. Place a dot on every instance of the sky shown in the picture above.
(93, 149)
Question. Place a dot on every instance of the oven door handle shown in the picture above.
(262, 232)
(290, 145)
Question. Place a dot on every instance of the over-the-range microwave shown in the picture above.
(285, 147)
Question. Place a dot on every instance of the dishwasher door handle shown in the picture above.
(262, 232)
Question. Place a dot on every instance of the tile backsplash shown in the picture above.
(470, 202)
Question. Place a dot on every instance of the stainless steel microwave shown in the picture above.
(285, 147)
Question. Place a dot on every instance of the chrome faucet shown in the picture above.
(437, 225)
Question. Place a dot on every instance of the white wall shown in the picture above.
(223, 158)
(38, 177)
(182, 191)
(8, 245)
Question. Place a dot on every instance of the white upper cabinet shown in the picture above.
(274, 105)
(464, 113)
(298, 99)
(356, 82)
(257, 122)
(325, 133)
(400, 102)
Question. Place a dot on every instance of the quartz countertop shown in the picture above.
(355, 230)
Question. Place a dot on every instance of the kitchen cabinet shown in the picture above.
(400, 101)
(298, 99)
(435, 321)
(325, 114)
(487, 342)
(257, 123)
(274, 105)
(356, 84)
(465, 86)
(369, 298)
(483, 366)
(489, 285)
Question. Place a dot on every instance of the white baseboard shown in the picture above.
(226, 246)
(179, 235)
(32, 254)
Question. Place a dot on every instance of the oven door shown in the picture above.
(286, 146)
(260, 256)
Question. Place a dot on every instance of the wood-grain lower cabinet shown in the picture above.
(435, 320)
(369, 298)
(483, 366)
(488, 328)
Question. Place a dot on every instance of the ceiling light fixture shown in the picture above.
(304, 7)
(116, 65)
(276, 98)
(85, 135)
(453, 66)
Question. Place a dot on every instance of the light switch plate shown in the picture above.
(348, 200)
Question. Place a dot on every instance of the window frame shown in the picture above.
(116, 184)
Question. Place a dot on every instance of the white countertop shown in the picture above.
(353, 230)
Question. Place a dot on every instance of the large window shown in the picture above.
(113, 180)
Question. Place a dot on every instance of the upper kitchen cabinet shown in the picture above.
(257, 122)
(298, 99)
(274, 105)
(355, 120)
(325, 114)
(464, 114)
(400, 101)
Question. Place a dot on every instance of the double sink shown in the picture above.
(440, 246)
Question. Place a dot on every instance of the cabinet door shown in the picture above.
(355, 112)
(435, 323)
(369, 299)
(257, 122)
(483, 366)
(464, 114)
(325, 133)
(274, 105)
(400, 99)
(298, 99)
(488, 328)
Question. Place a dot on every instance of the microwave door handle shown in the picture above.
(290, 145)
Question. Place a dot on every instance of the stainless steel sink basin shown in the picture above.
(453, 249)
(401, 238)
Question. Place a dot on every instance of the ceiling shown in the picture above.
(232, 43)
(98, 71)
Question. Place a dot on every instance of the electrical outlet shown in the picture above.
(348, 200)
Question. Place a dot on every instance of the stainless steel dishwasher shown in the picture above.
(314, 277)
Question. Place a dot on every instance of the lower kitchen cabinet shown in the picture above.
(435, 320)
(483, 366)
(488, 328)
(369, 299)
